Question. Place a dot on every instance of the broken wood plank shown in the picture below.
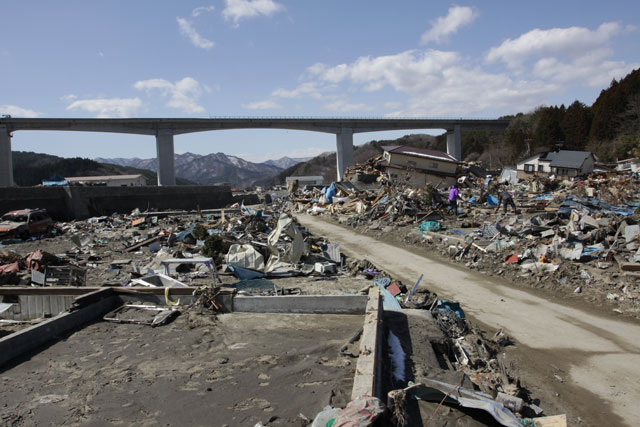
(630, 266)
(143, 243)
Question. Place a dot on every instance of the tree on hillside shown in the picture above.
(611, 105)
(518, 137)
(575, 126)
(548, 131)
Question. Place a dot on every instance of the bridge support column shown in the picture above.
(344, 151)
(6, 162)
(454, 142)
(164, 146)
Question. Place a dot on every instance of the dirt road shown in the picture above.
(590, 362)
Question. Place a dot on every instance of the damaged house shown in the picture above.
(560, 163)
(419, 166)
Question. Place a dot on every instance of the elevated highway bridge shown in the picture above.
(164, 130)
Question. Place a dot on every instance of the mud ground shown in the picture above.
(575, 358)
(233, 369)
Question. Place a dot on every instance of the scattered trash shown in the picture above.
(142, 315)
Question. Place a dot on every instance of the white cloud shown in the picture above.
(566, 55)
(262, 105)
(68, 98)
(445, 83)
(15, 111)
(241, 9)
(306, 89)
(187, 30)
(464, 91)
(183, 94)
(406, 71)
(436, 83)
(594, 69)
(574, 42)
(444, 26)
(202, 9)
(101, 54)
(108, 107)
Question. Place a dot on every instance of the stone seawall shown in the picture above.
(67, 203)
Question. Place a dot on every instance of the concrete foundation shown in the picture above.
(344, 151)
(68, 203)
(96, 302)
(6, 163)
(305, 304)
(454, 142)
(31, 338)
(164, 147)
(367, 379)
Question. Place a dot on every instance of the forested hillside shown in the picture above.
(32, 168)
(610, 128)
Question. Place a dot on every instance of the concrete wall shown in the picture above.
(53, 199)
(66, 203)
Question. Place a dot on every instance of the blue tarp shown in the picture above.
(492, 201)
(388, 300)
(453, 306)
(593, 205)
(331, 191)
(244, 273)
(428, 226)
(63, 183)
(256, 284)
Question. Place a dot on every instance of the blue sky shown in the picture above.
(330, 58)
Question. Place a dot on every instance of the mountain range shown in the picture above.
(215, 168)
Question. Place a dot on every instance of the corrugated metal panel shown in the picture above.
(34, 306)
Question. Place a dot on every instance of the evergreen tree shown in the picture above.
(575, 126)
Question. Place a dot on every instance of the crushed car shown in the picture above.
(25, 223)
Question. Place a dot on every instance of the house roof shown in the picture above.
(561, 159)
(567, 158)
(420, 152)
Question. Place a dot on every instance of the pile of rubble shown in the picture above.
(174, 249)
(252, 250)
(580, 236)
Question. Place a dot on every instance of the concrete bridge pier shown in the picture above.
(454, 142)
(344, 151)
(164, 146)
(6, 162)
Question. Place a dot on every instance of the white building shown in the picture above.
(109, 180)
(561, 163)
(305, 180)
(628, 165)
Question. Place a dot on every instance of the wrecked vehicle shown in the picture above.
(25, 223)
